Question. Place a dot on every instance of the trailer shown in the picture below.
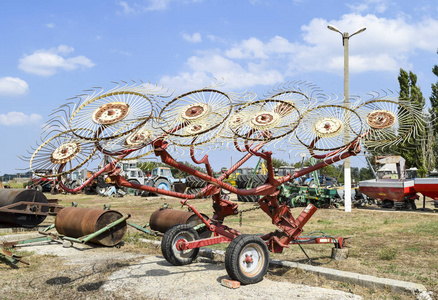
(391, 193)
(428, 187)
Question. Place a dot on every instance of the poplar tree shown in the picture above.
(413, 150)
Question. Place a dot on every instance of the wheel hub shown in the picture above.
(142, 136)
(194, 129)
(110, 113)
(248, 259)
(265, 120)
(380, 119)
(327, 127)
(195, 111)
(179, 244)
(65, 152)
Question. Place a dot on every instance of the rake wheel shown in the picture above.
(196, 117)
(389, 122)
(111, 115)
(61, 154)
(133, 146)
(264, 120)
(329, 127)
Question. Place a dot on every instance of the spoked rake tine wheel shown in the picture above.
(198, 114)
(247, 259)
(111, 115)
(264, 120)
(61, 154)
(389, 122)
(134, 145)
(172, 238)
(328, 127)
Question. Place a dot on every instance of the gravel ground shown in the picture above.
(157, 278)
(152, 277)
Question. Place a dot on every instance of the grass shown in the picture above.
(390, 244)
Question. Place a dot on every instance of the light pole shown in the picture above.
(347, 169)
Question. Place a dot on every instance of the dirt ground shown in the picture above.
(388, 244)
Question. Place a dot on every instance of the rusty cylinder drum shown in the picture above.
(164, 218)
(79, 221)
(30, 219)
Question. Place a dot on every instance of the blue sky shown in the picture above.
(53, 50)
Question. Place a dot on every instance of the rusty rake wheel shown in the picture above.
(106, 116)
(61, 154)
(195, 118)
(328, 127)
(264, 120)
(389, 122)
(137, 143)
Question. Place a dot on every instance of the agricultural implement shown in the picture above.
(27, 208)
(428, 187)
(397, 193)
(131, 122)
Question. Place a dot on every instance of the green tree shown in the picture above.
(365, 174)
(279, 162)
(433, 111)
(412, 150)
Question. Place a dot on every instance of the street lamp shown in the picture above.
(347, 169)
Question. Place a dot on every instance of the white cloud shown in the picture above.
(385, 46)
(203, 68)
(13, 86)
(48, 62)
(146, 6)
(50, 25)
(127, 9)
(375, 6)
(194, 38)
(15, 118)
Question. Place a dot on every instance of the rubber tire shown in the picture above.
(238, 248)
(171, 237)
(248, 198)
(259, 180)
(39, 188)
(195, 182)
(240, 182)
(241, 198)
(190, 181)
(162, 182)
(131, 191)
(252, 198)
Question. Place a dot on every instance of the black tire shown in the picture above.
(259, 180)
(195, 182)
(241, 198)
(131, 191)
(240, 182)
(248, 198)
(245, 247)
(190, 181)
(192, 191)
(170, 239)
(252, 198)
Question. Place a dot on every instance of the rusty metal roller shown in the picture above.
(78, 221)
(28, 218)
(164, 218)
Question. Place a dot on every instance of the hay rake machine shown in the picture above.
(135, 121)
